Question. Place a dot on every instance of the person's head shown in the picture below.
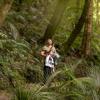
(49, 42)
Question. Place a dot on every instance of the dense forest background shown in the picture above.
(74, 27)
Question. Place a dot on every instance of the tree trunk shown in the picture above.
(77, 29)
(55, 20)
(97, 12)
(86, 43)
(4, 10)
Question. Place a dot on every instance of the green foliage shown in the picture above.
(21, 94)
(21, 65)
(17, 62)
(36, 94)
(71, 88)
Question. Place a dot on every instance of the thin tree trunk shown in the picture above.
(4, 10)
(77, 28)
(97, 12)
(55, 20)
(86, 43)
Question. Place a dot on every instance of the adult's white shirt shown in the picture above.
(49, 61)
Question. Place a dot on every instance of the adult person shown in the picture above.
(48, 51)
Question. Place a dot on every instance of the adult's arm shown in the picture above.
(43, 53)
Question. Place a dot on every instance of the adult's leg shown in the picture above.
(47, 73)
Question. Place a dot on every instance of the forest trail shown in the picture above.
(4, 96)
(72, 28)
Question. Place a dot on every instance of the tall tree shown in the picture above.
(78, 27)
(55, 20)
(4, 10)
(97, 12)
(86, 43)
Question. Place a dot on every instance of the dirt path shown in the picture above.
(4, 95)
